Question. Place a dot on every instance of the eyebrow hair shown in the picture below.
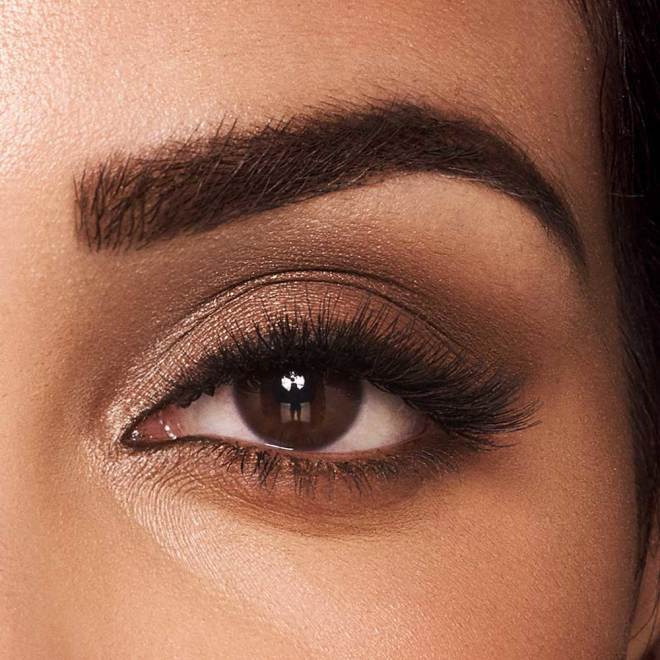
(196, 185)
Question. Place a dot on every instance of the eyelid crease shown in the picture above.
(390, 291)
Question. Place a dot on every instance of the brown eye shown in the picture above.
(295, 409)
(299, 409)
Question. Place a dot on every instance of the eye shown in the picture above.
(321, 394)
(298, 409)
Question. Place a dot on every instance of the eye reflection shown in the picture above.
(298, 409)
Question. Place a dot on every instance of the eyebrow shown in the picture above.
(195, 185)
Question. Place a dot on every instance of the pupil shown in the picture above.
(299, 408)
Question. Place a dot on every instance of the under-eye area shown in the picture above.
(303, 393)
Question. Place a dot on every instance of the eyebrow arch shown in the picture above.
(196, 185)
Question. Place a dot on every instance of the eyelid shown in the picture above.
(207, 350)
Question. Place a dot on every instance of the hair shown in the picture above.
(627, 42)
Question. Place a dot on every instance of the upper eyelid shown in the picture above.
(394, 292)
(135, 393)
(181, 386)
(361, 286)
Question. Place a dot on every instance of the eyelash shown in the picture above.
(470, 401)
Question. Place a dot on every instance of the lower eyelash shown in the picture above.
(275, 472)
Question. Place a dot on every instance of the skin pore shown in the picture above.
(525, 551)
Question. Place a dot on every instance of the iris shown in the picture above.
(299, 409)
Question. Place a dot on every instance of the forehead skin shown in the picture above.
(79, 576)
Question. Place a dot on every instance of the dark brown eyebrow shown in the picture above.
(196, 185)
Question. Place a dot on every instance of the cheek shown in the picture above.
(526, 555)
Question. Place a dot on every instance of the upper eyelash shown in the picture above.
(466, 397)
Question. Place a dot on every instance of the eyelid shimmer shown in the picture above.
(202, 334)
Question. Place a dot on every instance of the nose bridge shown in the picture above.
(12, 473)
(6, 599)
(33, 533)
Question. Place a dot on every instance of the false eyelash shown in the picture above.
(464, 396)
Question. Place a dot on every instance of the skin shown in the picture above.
(526, 552)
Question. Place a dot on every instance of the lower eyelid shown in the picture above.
(324, 493)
